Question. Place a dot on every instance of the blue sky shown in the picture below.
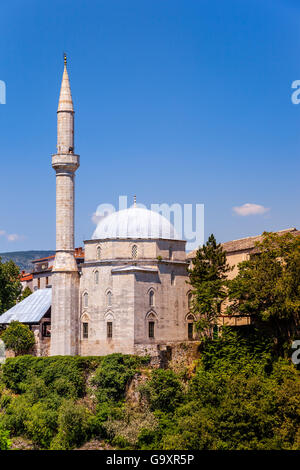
(176, 101)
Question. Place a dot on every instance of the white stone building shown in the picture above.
(129, 294)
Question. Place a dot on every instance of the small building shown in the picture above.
(34, 311)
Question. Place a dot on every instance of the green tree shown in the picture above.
(208, 280)
(26, 292)
(267, 286)
(10, 285)
(18, 337)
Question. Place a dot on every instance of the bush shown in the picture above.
(164, 391)
(71, 370)
(73, 426)
(114, 374)
(41, 424)
(5, 443)
(18, 337)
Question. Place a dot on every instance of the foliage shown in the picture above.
(113, 375)
(26, 293)
(71, 371)
(5, 442)
(41, 424)
(18, 337)
(10, 285)
(73, 426)
(208, 280)
(240, 396)
(267, 286)
(163, 391)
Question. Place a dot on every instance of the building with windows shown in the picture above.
(126, 291)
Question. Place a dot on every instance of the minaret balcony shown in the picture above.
(65, 161)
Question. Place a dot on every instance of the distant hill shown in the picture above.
(23, 258)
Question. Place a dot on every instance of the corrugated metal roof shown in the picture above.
(31, 309)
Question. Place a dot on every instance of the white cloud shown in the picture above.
(250, 209)
(11, 237)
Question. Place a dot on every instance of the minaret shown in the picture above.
(65, 276)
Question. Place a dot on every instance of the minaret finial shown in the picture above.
(134, 201)
(65, 58)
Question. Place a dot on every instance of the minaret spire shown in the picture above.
(65, 126)
(65, 278)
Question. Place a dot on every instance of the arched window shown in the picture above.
(190, 300)
(109, 329)
(98, 252)
(85, 299)
(85, 330)
(151, 298)
(134, 251)
(151, 320)
(170, 253)
(96, 277)
(190, 320)
(109, 298)
(172, 277)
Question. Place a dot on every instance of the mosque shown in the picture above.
(129, 294)
(127, 291)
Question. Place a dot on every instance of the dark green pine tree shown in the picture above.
(207, 277)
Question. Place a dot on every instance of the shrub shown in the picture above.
(71, 369)
(18, 337)
(114, 374)
(73, 426)
(41, 424)
(5, 443)
(163, 391)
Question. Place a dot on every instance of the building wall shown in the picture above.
(130, 309)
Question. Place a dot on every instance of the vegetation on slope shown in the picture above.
(240, 395)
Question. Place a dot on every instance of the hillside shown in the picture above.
(23, 258)
(239, 396)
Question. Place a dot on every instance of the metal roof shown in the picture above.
(31, 309)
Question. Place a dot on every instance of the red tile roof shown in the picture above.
(26, 277)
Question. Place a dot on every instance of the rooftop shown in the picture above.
(247, 243)
(31, 309)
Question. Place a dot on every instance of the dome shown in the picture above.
(135, 222)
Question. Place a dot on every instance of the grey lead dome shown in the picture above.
(135, 222)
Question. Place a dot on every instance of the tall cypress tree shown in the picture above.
(207, 277)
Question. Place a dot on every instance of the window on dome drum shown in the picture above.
(134, 251)
(190, 330)
(172, 277)
(151, 329)
(170, 253)
(85, 299)
(98, 252)
(109, 298)
(190, 300)
(151, 298)
(96, 277)
(85, 330)
(109, 329)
